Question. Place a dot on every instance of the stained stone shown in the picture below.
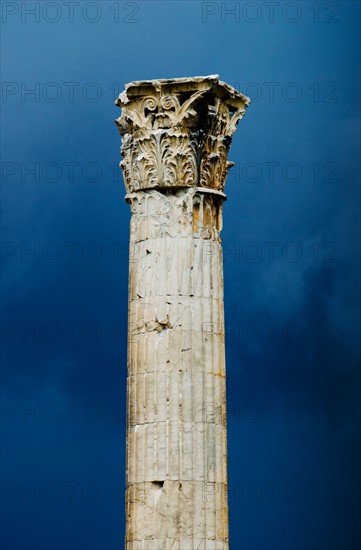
(176, 134)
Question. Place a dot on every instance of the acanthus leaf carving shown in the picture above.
(160, 160)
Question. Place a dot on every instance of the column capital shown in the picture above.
(177, 132)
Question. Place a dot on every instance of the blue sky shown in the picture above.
(291, 250)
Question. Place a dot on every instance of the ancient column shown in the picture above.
(176, 134)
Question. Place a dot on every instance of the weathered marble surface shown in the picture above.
(175, 138)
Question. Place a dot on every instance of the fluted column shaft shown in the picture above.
(176, 447)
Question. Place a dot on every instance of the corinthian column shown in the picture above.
(175, 139)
